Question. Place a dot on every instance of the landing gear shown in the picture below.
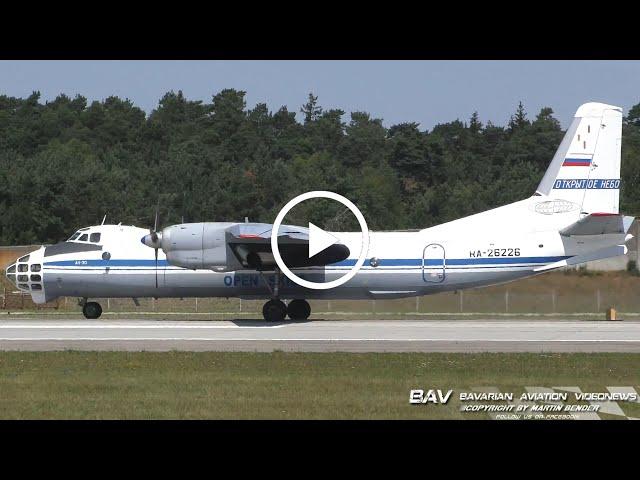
(92, 310)
(274, 311)
(298, 310)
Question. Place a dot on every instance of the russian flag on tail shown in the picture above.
(576, 162)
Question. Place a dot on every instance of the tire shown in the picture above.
(92, 310)
(274, 311)
(299, 310)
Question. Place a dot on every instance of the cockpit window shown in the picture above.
(83, 237)
(74, 236)
(94, 237)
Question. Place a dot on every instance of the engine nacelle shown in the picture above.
(225, 247)
(199, 245)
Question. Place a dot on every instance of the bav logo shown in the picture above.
(417, 397)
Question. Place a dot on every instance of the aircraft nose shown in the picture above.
(26, 273)
(11, 274)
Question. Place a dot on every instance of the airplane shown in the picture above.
(571, 218)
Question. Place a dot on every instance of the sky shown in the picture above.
(427, 92)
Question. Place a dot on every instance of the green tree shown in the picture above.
(311, 110)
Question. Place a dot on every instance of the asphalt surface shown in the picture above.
(323, 336)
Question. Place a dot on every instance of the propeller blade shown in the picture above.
(156, 251)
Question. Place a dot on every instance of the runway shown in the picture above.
(323, 336)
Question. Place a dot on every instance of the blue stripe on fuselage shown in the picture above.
(402, 262)
(108, 263)
(386, 262)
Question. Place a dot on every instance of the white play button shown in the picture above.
(319, 240)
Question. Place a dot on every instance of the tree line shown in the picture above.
(66, 163)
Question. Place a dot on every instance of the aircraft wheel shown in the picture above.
(92, 310)
(274, 311)
(299, 310)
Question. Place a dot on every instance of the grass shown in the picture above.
(217, 385)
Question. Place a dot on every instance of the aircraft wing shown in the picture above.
(599, 224)
(251, 244)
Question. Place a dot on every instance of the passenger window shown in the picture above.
(95, 237)
(83, 237)
(36, 267)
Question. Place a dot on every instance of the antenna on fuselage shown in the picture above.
(103, 220)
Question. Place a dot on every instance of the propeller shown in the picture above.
(154, 240)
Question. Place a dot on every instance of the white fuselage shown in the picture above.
(492, 247)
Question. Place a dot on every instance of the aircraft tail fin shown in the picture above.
(586, 167)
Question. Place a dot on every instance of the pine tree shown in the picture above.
(518, 120)
(311, 109)
(474, 123)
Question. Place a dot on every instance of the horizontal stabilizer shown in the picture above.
(599, 224)
(608, 252)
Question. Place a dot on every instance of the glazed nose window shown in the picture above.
(36, 267)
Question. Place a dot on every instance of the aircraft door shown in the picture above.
(433, 263)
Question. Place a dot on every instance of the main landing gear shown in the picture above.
(91, 310)
(275, 310)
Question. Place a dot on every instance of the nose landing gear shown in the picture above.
(92, 310)
(275, 310)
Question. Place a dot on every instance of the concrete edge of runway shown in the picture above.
(322, 336)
